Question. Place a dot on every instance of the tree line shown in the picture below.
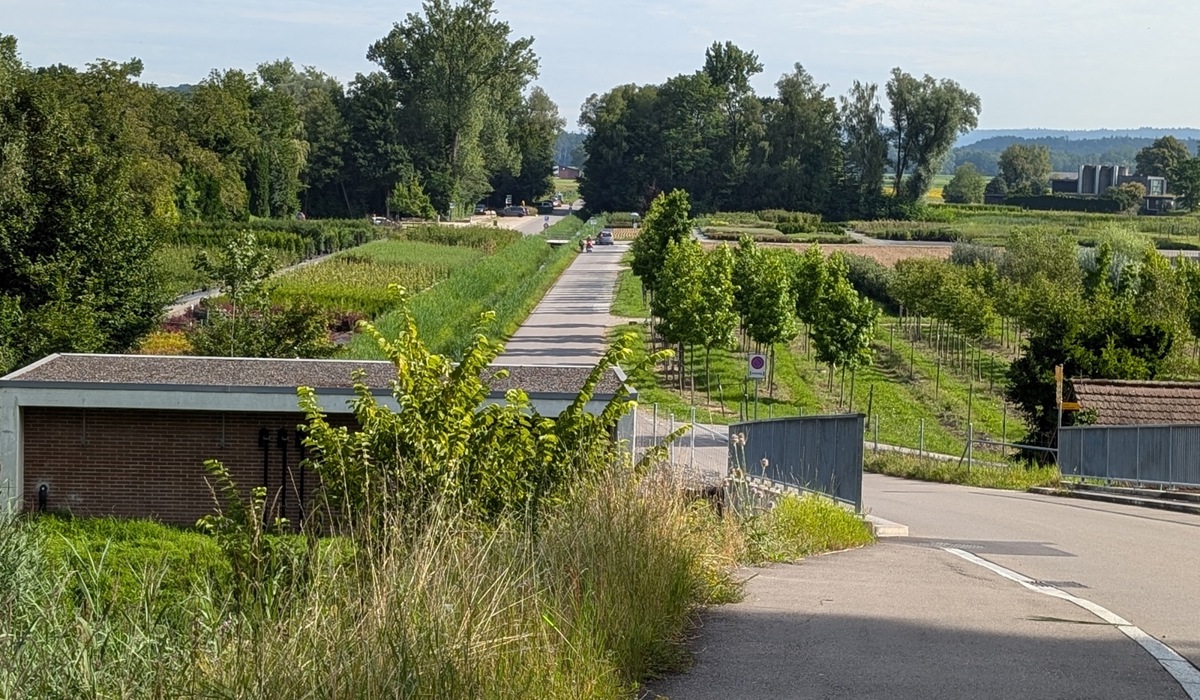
(98, 168)
(1024, 169)
(802, 149)
(746, 295)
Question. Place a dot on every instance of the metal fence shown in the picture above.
(1149, 454)
(817, 453)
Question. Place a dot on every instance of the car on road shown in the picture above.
(514, 211)
(605, 237)
(546, 207)
(379, 220)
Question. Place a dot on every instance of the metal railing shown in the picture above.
(1148, 454)
(823, 454)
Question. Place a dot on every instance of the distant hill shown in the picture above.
(1144, 132)
(1068, 149)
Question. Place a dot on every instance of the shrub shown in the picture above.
(870, 278)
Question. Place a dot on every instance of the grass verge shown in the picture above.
(1011, 478)
(801, 526)
(510, 283)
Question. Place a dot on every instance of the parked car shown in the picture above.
(514, 211)
(605, 237)
(480, 209)
(546, 207)
(379, 220)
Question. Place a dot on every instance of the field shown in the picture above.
(289, 241)
(357, 280)
(568, 188)
(509, 283)
(991, 225)
(884, 254)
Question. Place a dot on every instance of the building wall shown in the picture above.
(149, 463)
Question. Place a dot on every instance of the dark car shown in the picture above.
(605, 237)
(514, 211)
(546, 208)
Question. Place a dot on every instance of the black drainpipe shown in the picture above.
(281, 441)
(264, 442)
(300, 466)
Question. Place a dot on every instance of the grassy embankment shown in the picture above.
(897, 401)
(509, 282)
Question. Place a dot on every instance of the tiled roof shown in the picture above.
(1119, 402)
(234, 372)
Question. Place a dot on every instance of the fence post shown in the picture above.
(876, 434)
(692, 460)
(921, 439)
(671, 451)
(970, 441)
(633, 439)
(654, 435)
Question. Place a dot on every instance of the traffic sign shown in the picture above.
(1058, 383)
(758, 366)
(508, 200)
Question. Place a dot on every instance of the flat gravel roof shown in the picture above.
(157, 372)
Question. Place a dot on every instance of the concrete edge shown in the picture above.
(1160, 504)
(886, 528)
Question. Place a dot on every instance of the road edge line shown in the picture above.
(1171, 661)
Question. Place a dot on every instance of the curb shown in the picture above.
(1160, 504)
(886, 528)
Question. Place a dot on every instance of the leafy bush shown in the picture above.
(870, 278)
(781, 216)
(1057, 203)
(967, 254)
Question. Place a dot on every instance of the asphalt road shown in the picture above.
(530, 225)
(569, 325)
(1142, 564)
(907, 618)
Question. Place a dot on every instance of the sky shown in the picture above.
(1064, 64)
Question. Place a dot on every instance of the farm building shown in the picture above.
(127, 435)
(567, 172)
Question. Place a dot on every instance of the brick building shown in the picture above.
(127, 435)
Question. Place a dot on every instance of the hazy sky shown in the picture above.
(1075, 64)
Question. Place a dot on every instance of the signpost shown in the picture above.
(758, 367)
(757, 370)
(508, 200)
(1058, 397)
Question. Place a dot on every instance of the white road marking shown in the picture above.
(1180, 668)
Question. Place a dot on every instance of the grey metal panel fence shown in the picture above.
(1152, 454)
(816, 453)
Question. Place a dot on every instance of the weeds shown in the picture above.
(1013, 478)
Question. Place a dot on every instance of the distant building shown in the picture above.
(1094, 180)
(567, 172)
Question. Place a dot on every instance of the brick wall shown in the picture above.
(149, 463)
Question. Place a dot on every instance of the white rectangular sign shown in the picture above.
(757, 366)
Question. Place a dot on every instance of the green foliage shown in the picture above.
(1025, 169)
(455, 75)
(1012, 478)
(844, 322)
(667, 222)
(262, 565)
(250, 326)
(357, 280)
(967, 186)
(927, 116)
(1162, 158)
(1127, 197)
(769, 303)
(679, 303)
(444, 445)
(800, 526)
(510, 283)
(82, 193)
(410, 199)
